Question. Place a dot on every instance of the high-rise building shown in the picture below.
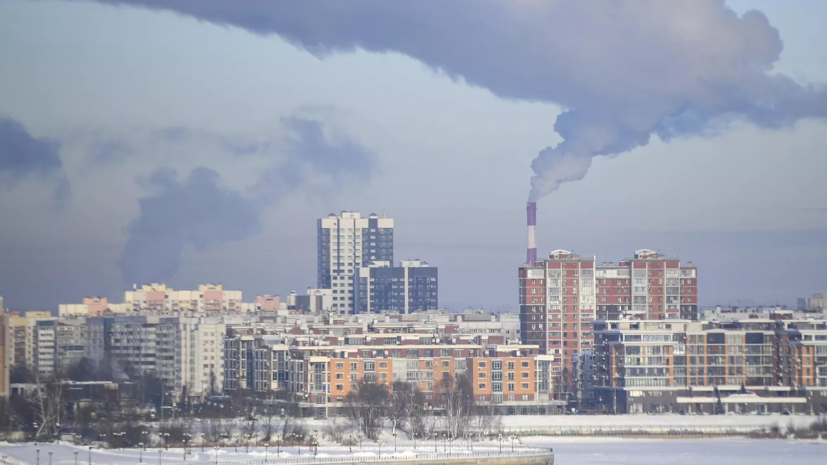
(412, 286)
(648, 286)
(346, 242)
(5, 350)
(562, 296)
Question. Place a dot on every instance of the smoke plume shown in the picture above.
(200, 211)
(23, 156)
(623, 70)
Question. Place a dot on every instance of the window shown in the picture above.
(339, 376)
(482, 364)
(510, 387)
(340, 387)
(510, 365)
(340, 365)
(525, 363)
(525, 375)
(482, 375)
(353, 366)
(482, 385)
(525, 385)
(383, 364)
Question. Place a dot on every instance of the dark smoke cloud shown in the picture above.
(312, 153)
(201, 212)
(624, 70)
(24, 156)
(197, 211)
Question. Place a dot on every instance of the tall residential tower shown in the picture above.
(346, 242)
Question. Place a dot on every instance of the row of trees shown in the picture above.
(452, 409)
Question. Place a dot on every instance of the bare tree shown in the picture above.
(455, 397)
(405, 402)
(271, 422)
(248, 428)
(485, 420)
(366, 406)
(46, 399)
(290, 415)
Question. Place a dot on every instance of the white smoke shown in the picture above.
(624, 70)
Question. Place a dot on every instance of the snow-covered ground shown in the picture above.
(65, 454)
(568, 451)
(557, 422)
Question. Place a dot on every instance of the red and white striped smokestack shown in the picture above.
(531, 253)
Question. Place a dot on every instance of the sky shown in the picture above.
(200, 143)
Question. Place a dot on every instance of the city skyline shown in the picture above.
(195, 149)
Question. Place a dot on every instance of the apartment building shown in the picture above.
(655, 366)
(71, 340)
(557, 311)
(412, 286)
(562, 296)
(5, 350)
(346, 242)
(647, 286)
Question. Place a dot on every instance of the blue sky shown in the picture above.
(135, 101)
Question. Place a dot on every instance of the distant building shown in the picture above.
(314, 301)
(562, 296)
(346, 242)
(5, 352)
(410, 287)
(818, 302)
(157, 298)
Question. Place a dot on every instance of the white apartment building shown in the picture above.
(346, 242)
(202, 356)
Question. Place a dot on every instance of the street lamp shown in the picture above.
(513, 437)
(143, 436)
(278, 447)
(444, 442)
(36, 433)
(435, 446)
(160, 451)
(141, 452)
(76, 458)
(38, 455)
(266, 446)
(50, 457)
(500, 437)
(166, 440)
(90, 455)
(216, 454)
(57, 427)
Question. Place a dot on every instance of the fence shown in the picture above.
(517, 452)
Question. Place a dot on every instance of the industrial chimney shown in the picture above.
(531, 252)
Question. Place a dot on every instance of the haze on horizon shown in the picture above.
(190, 146)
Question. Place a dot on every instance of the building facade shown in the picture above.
(681, 366)
(412, 286)
(346, 242)
(562, 296)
